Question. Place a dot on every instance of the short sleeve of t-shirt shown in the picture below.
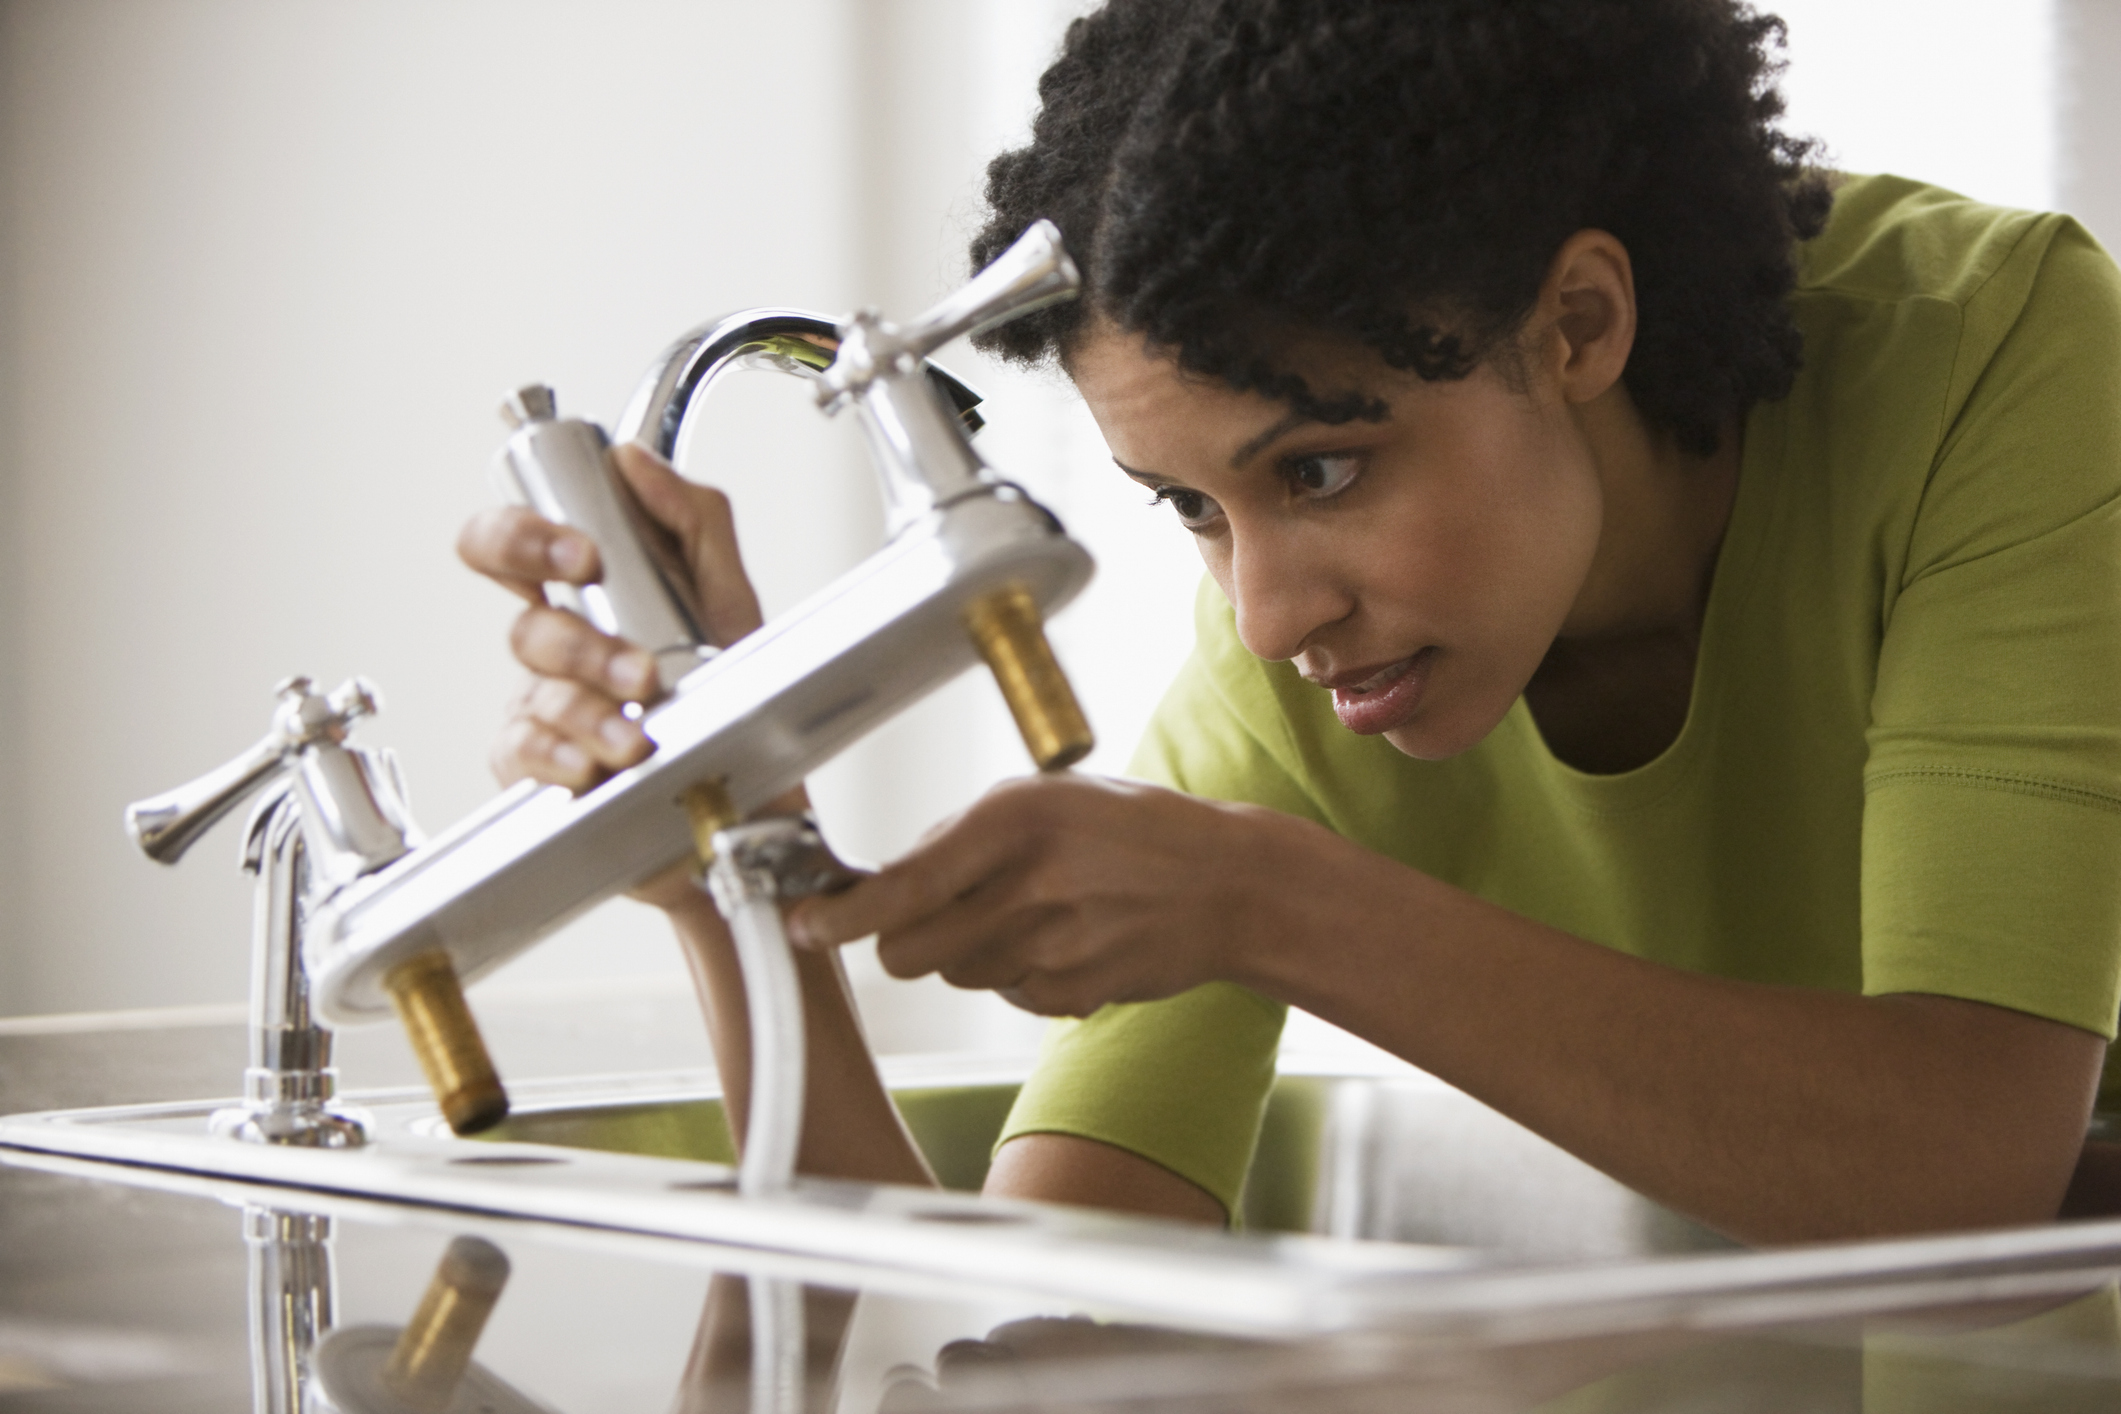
(1992, 816)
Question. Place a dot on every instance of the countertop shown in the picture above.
(136, 1292)
(118, 1296)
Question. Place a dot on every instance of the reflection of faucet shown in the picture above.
(425, 1367)
(766, 1344)
(972, 567)
(332, 812)
(290, 1304)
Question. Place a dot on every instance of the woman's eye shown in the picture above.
(1194, 510)
(1327, 474)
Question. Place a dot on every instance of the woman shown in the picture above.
(1658, 670)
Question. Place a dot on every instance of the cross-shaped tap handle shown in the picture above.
(1033, 272)
(166, 825)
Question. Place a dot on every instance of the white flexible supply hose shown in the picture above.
(775, 998)
(749, 899)
(777, 1345)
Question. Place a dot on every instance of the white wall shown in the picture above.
(269, 263)
(1956, 92)
(2087, 157)
(270, 266)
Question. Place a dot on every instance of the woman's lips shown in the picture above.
(1385, 698)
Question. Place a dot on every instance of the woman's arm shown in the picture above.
(1066, 1168)
(1774, 1114)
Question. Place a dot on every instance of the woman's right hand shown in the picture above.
(568, 727)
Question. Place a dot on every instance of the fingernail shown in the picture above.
(633, 672)
(620, 734)
(568, 757)
(570, 555)
(797, 925)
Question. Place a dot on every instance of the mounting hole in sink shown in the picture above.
(705, 1185)
(968, 1218)
(508, 1161)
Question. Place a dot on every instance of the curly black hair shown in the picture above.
(1227, 172)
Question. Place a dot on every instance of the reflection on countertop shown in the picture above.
(149, 1300)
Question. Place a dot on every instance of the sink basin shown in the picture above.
(1380, 1156)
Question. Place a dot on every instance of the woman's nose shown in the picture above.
(1284, 590)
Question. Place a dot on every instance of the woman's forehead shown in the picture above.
(1115, 366)
(1165, 422)
(1149, 408)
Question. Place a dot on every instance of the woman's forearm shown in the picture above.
(1771, 1113)
(850, 1127)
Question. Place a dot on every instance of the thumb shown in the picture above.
(705, 528)
(658, 487)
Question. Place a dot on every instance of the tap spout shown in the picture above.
(791, 341)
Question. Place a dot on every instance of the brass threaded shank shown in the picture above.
(430, 1002)
(1010, 634)
(434, 1350)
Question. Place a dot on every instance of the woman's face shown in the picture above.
(1418, 568)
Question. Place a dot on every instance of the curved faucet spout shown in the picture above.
(794, 342)
(791, 340)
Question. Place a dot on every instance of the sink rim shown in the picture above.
(1272, 1285)
(1276, 1286)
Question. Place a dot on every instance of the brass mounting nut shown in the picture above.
(1010, 634)
(709, 808)
(434, 1350)
(430, 1002)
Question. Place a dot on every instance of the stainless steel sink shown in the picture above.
(646, 1154)
(1394, 1157)
(1469, 1224)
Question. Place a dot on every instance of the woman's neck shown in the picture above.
(1665, 513)
(1614, 689)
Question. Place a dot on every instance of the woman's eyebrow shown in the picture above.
(1266, 439)
(1249, 450)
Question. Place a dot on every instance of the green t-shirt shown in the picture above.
(1901, 764)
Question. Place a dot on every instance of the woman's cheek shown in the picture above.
(1504, 591)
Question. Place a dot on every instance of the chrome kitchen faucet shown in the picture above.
(971, 567)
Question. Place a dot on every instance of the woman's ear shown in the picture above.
(1588, 302)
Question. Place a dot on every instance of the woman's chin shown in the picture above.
(1437, 733)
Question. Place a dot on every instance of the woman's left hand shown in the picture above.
(1066, 892)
